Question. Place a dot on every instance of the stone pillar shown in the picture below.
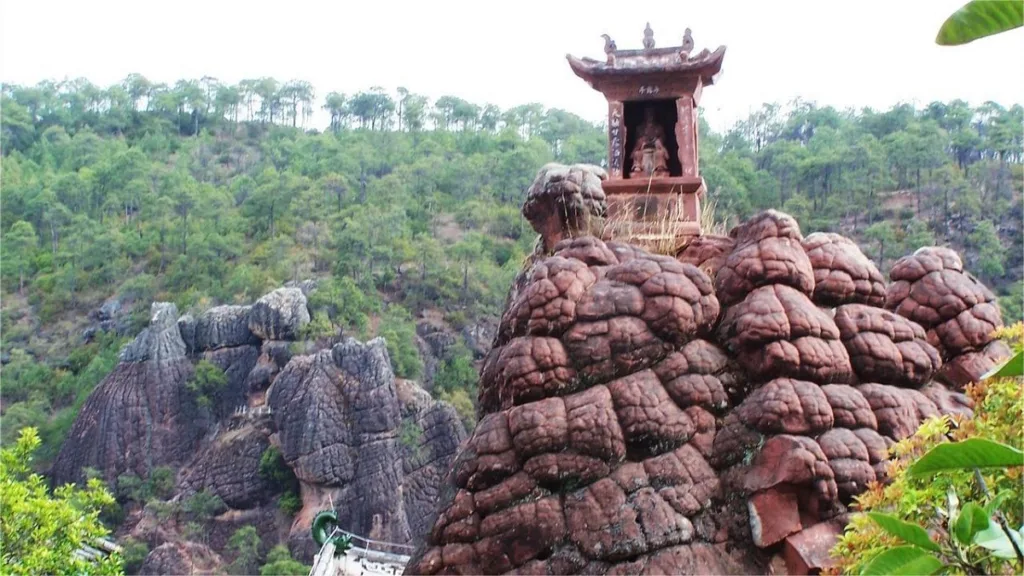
(686, 134)
(616, 139)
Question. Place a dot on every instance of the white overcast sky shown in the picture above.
(844, 53)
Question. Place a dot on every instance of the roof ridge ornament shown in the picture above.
(648, 37)
(687, 47)
(609, 48)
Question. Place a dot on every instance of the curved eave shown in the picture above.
(591, 70)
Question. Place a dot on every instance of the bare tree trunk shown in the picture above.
(163, 247)
(184, 233)
(945, 209)
(918, 191)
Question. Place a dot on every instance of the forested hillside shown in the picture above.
(201, 193)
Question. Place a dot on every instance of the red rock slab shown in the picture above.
(650, 420)
(593, 427)
(948, 401)
(773, 313)
(896, 412)
(774, 515)
(808, 551)
(787, 406)
(793, 460)
(529, 369)
(546, 306)
(606, 349)
(925, 261)
(764, 262)
(699, 374)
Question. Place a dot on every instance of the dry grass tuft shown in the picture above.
(662, 235)
(708, 223)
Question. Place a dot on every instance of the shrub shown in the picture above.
(399, 331)
(320, 326)
(133, 554)
(206, 382)
(457, 371)
(281, 563)
(290, 503)
(411, 434)
(40, 530)
(462, 403)
(203, 505)
(161, 482)
(244, 545)
(345, 303)
(944, 503)
(275, 470)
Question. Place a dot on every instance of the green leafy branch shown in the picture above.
(971, 525)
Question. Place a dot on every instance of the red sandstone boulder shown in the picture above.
(707, 252)
(958, 312)
(885, 347)
(777, 332)
(842, 273)
(563, 199)
(808, 551)
(767, 252)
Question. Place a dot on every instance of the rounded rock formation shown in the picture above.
(629, 424)
(563, 200)
(958, 313)
(885, 347)
(279, 315)
(222, 327)
(141, 415)
(842, 273)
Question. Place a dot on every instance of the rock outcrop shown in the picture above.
(230, 468)
(141, 415)
(375, 449)
(842, 273)
(279, 315)
(564, 200)
(222, 327)
(429, 438)
(341, 430)
(698, 414)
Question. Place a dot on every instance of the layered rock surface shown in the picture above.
(141, 415)
(374, 448)
(638, 415)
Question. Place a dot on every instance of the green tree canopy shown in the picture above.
(42, 530)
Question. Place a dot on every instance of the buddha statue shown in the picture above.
(649, 156)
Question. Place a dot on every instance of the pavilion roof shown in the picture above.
(705, 64)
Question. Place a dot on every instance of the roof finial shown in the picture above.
(609, 48)
(687, 47)
(648, 37)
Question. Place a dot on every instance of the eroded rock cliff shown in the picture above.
(374, 448)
